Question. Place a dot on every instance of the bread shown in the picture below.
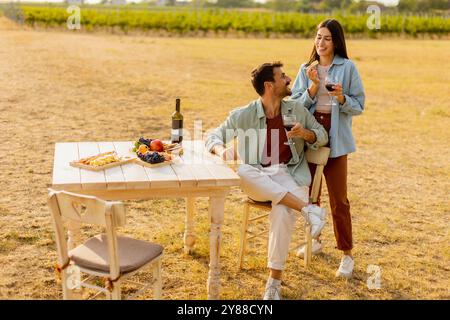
(313, 64)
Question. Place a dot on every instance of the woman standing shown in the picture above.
(330, 87)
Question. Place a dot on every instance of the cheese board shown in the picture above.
(101, 161)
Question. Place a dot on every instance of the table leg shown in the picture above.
(216, 210)
(189, 236)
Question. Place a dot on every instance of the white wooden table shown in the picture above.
(195, 174)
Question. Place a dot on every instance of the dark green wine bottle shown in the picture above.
(177, 124)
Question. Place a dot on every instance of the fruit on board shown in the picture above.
(151, 157)
(145, 141)
(143, 148)
(156, 145)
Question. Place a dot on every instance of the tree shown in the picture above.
(439, 4)
(423, 5)
(284, 5)
(235, 3)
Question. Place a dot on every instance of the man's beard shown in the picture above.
(286, 93)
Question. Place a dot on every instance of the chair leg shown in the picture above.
(308, 245)
(243, 240)
(67, 293)
(116, 293)
(157, 286)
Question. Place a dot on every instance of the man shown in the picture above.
(272, 170)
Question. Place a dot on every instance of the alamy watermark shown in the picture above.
(73, 280)
(374, 20)
(74, 20)
(374, 280)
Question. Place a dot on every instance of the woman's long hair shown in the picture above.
(337, 35)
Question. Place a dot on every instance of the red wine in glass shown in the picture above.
(330, 81)
(329, 87)
(289, 121)
(288, 127)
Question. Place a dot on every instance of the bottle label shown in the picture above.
(177, 131)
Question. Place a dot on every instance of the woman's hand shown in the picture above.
(313, 75)
(337, 93)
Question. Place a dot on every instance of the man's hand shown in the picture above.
(299, 131)
(227, 154)
(296, 131)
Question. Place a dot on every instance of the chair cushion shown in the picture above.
(133, 254)
(261, 204)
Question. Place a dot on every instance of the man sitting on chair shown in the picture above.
(274, 169)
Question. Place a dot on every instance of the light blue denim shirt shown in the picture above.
(248, 125)
(345, 72)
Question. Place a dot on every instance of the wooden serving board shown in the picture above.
(179, 146)
(152, 165)
(124, 160)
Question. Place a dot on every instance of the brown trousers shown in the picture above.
(335, 173)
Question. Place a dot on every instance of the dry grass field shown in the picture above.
(60, 86)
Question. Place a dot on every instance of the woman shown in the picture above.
(334, 110)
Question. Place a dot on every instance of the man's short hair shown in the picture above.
(262, 74)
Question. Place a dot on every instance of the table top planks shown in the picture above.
(91, 180)
(114, 176)
(64, 175)
(195, 168)
(210, 167)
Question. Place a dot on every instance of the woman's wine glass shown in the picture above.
(330, 81)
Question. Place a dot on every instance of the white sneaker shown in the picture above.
(273, 290)
(316, 217)
(346, 267)
(316, 248)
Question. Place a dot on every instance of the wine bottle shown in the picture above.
(177, 124)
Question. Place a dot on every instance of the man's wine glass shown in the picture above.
(289, 121)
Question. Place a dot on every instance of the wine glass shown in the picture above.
(330, 81)
(289, 121)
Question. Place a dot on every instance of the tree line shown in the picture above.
(320, 6)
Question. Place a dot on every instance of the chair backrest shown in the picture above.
(87, 209)
(320, 158)
(90, 210)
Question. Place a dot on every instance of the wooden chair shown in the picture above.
(319, 157)
(112, 257)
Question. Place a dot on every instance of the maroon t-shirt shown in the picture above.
(285, 154)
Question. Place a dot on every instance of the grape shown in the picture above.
(156, 158)
(151, 157)
(145, 141)
(140, 156)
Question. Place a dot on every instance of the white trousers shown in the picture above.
(272, 184)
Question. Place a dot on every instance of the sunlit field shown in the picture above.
(61, 86)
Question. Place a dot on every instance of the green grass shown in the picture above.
(223, 21)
